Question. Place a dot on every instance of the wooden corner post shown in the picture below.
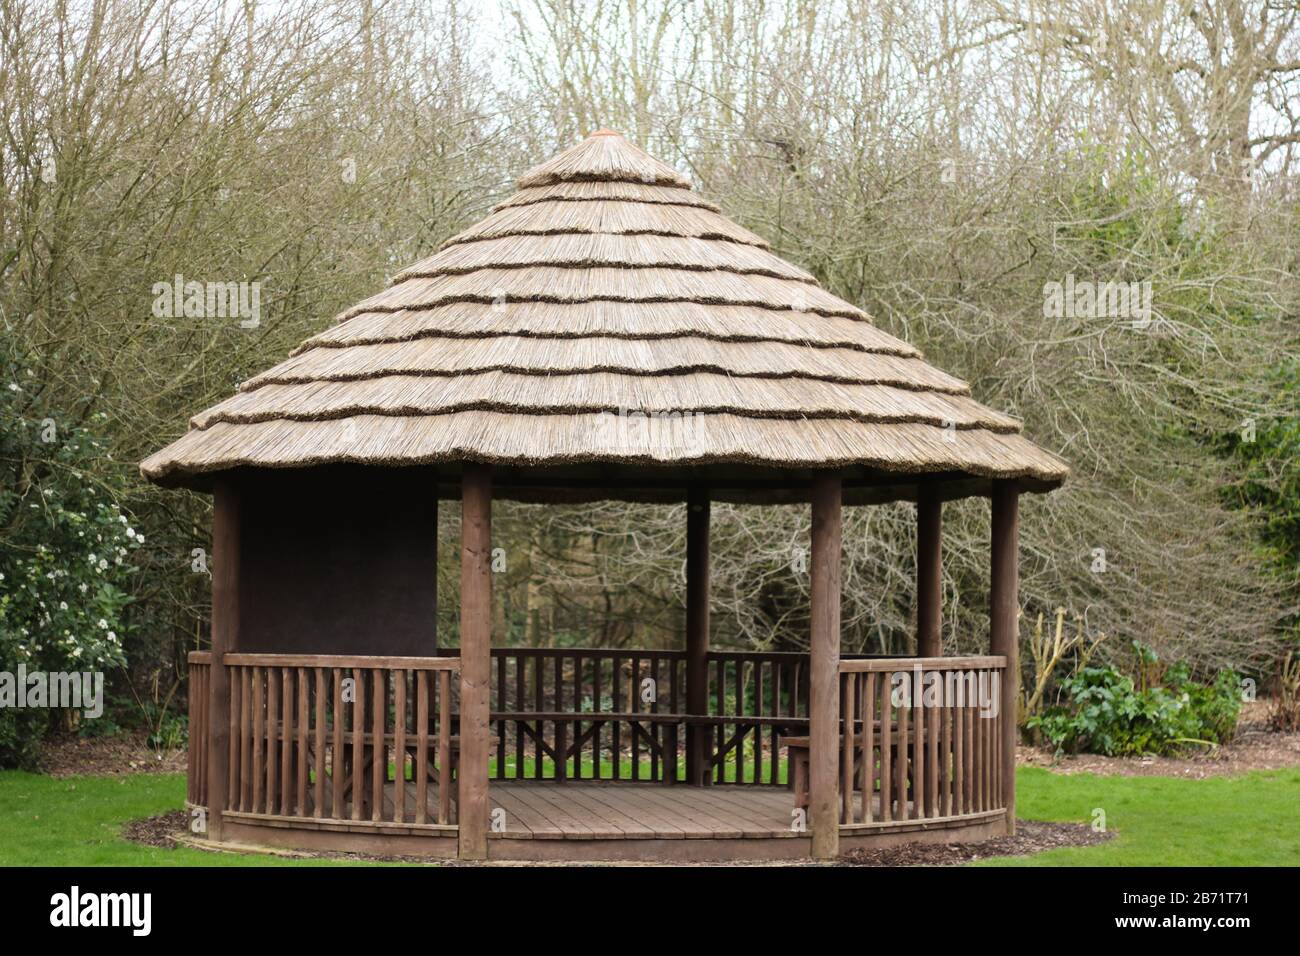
(1004, 626)
(929, 574)
(824, 677)
(475, 659)
(697, 633)
(225, 639)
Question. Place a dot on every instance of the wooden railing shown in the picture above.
(926, 739)
(330, 738)
(563, 714)
(755, 699)
(305, 744)
(196, 781)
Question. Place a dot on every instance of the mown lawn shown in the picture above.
(77, 821)
(1252, 820)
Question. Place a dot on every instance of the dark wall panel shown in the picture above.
(339, 560)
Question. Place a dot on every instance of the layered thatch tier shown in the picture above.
(606, 314)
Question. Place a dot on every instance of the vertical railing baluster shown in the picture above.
(318, 797)
(304, 700)
(444, 746)
(399, 746)
(378, 754)
(338, 754)
(272, 737)
(868, 744)
(358, 742)
(847, 741)
(421, 769)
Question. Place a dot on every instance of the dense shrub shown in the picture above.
(1105, 712)
(63, 559)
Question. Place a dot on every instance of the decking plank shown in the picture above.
(627, 811)
(608, 817)
(631, 801)
(756, 817)
(523, 820)
(698, 819)
(567, 817)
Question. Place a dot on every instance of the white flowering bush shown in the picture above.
(65, 551)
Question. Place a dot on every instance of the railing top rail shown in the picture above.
(922, 663)
(345, 661)
(449, 659)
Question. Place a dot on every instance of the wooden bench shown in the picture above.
(798, 753)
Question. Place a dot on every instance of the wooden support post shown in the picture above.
(1004, 627)
(824, 678)
(697, 632)
(475, 659)
(225, 638)
(929, 572)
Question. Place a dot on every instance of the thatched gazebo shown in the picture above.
(604, 334)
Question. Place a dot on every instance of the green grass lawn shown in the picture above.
(77, 821)
(1252, 820)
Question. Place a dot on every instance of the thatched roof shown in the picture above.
(605, 286)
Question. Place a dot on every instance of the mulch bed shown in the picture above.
(1256, 746)
(1032, 836)
(125, 753)
(159, 830)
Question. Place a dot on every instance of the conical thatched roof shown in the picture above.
(606, 286)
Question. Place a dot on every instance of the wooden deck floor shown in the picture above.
(621, 810)
(586, 820)
(593, 811)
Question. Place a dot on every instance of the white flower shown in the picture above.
(112, 637)
(13, 387)
(63, 605)
(103, 624)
